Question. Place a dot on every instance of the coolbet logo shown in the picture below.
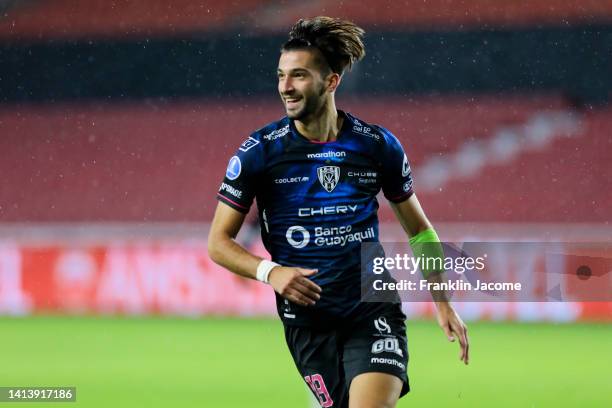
(248, 144)
(329, 177)
(289, 180)
(233, 168)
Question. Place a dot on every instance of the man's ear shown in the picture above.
(333, 82)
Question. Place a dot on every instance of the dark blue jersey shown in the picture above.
(317, 203)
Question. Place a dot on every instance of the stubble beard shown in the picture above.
(312, 105)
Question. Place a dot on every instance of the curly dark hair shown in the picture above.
(339, 41)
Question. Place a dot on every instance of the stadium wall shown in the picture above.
(574, 60)
(165, 270)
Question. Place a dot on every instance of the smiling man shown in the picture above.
(315, 175)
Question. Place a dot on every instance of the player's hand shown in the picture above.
(293, 284)
(453, 327)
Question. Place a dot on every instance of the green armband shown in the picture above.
(426, 245)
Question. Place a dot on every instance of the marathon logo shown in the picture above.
(326, 155)
(378, 360)
(231, 190)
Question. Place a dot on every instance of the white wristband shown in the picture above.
(264, 268)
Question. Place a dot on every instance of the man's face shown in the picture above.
(300, 83)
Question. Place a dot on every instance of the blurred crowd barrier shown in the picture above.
(164, 275)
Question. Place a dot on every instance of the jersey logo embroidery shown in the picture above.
(329, 177)
(382, 326)
(405, 167)
(250, 142)
(233, 168)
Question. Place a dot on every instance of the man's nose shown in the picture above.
(286, 85)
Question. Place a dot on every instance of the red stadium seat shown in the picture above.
(164, 163)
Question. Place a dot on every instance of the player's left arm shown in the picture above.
(397, 186)
(415, 223)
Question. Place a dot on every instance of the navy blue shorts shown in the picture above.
(329, 359)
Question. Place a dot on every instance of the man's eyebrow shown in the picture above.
(293, 70)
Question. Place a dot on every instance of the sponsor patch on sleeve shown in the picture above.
(234, 168)
(405, 167)
(248, 144)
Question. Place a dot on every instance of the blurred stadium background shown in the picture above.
(116, 122)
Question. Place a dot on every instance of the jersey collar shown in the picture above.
(343, 132)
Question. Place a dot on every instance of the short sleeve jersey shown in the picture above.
(317, 203)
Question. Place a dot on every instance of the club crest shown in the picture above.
(329, 177)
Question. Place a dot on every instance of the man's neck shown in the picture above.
(324, 128)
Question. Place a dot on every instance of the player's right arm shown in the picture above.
(238, 189)
(222, 246)
(291, 283)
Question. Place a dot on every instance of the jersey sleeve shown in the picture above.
(239, 185)
(397, 175)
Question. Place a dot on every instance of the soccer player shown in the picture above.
(315, 175)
